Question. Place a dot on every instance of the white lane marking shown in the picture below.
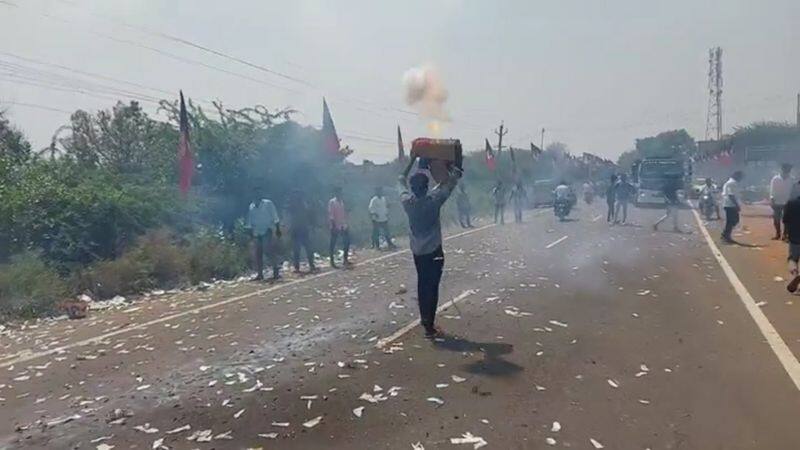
(597, 217)
(28, 355)
(779, 347)
(557, 241)
(410, 326)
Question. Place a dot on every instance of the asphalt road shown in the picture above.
(567, 335)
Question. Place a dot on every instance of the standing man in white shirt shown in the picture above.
(730, 201)
(264, 225)
(780, 189)
(379, 213)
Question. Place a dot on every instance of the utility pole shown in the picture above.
(542, 143)
(714, 113)
(502, 131)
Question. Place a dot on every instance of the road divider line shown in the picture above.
(774, 339)
(557, 241)
(410, 326)
(29, 355)
(597, 217)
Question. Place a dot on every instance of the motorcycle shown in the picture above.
(561, 208)
(707, 203)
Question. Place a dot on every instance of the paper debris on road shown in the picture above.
(201, 436)
(550, 441)
(559, 324)
(457, 379)
(417, 446)
(596, 444)
(268, 435)
(104, 447)
(612, 383)
(146, 428)
(436, 400)
(556, 427)
(158, 444)
(280, 424)
(313, 422)
(358, 411)
(469, 438)
(186, 427)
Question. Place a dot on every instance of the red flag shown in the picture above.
(330, 138)
(185, 162)
(401, 153)
(489, 156)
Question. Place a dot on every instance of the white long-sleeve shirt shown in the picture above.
(262, 217)
(730, 189)
(378, 209)
(780, 189)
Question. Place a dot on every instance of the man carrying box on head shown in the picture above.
(423, 207)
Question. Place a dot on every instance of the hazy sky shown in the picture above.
(596, 75)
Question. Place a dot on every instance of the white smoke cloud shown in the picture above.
(426, 93)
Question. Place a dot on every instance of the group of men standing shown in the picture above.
(264, 224)
(518, 197)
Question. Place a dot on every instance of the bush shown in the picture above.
(155, 261)
(213, 256)
(28, 288)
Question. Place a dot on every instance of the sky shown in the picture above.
(594, 75)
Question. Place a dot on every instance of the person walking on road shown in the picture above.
(672, 203)
(464, 207)
(791, 228)
(519, 199)
(379, 213)
(622, 194)
(300, 222)
(264, 225)
(709, 191)
(611, 198)
(730, 202)
(780, 189)
(499, 198)
(337, 218)
(424, 209)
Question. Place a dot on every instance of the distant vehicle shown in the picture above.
(542, 193)
(651, 174)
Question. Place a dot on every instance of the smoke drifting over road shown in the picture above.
(426, 93)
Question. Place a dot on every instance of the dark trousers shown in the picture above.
(345, 235)
(463, 218)
(777, 218)
(300, 241)
(610, 215)
(731, 220)
(429, 274)
(518, 214)
(265, 244)
(622, 206)
(500, 212)
(377, 229)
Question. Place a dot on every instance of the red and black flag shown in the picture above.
(401, 152)
(185, 162)
(490, 163)
(330, 140)
(535, 151)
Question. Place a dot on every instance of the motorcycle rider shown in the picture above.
(708, 199)
(588, 192)
(562, 193)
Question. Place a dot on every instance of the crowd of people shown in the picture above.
(423, 208)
